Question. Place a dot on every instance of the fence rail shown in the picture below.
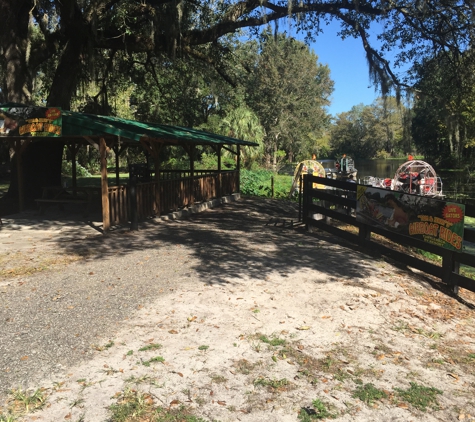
(319, 206)
(176, 190)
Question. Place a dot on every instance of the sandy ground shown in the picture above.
(259, 326)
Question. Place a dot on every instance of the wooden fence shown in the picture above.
(177, 190)
(319, 206)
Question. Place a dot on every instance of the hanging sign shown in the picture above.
(30, 121)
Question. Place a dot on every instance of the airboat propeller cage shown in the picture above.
(312, 167)
(416, 176)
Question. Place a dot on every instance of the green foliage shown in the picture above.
(252, 182)
(210, 162)
(375, 131)
(67, 169)
(288, 89)
(259, 183)
(444, 121)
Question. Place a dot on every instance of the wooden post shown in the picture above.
(192, 173)
(117, 170)
(300, 197)
(104, 186)
(364, 235)
(239, 168)
(118, 150)
(156, 162)
(449, 265)
(305, 201)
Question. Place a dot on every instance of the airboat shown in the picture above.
(307, 167)
(344, 168)
(414, 176)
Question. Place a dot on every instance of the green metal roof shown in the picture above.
(84, 124)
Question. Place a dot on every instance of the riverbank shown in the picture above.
(232, 314)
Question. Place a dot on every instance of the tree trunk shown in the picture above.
(42, 159)
(14, 42)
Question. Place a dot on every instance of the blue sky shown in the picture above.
(349, 69)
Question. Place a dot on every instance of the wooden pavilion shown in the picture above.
(166, 190)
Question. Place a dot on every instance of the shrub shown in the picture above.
(67, 169)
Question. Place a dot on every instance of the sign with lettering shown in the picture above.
(432, 220)
(30, 121)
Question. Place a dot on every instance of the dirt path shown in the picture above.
(231, 318)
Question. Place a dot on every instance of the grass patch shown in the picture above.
(104, 347)
(319, 410)
(159, 359)
(273, 341)
(153, 346)
(273, 384)
(136, 406)
(218, 379)
(20, 402)
(419, 396)
(469, 222)
(21, 264)
(368, 393)
(429, 255)
(245, 367)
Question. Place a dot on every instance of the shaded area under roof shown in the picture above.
(75, 124)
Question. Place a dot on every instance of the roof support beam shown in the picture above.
(118, 150)
(92, 142)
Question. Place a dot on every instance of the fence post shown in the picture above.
(364, 235)
(305, 200)
(134, 224)
(449, 265)
(300, 198)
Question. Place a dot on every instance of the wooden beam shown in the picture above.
(230, 150)
(156, 148)
(147, 145)
(94, 143)
(118, 150)
(104, 186)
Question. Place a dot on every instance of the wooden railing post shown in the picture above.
(449, 265)
(300, 198)
(306, 200)
(104, 185)
(364, 235)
